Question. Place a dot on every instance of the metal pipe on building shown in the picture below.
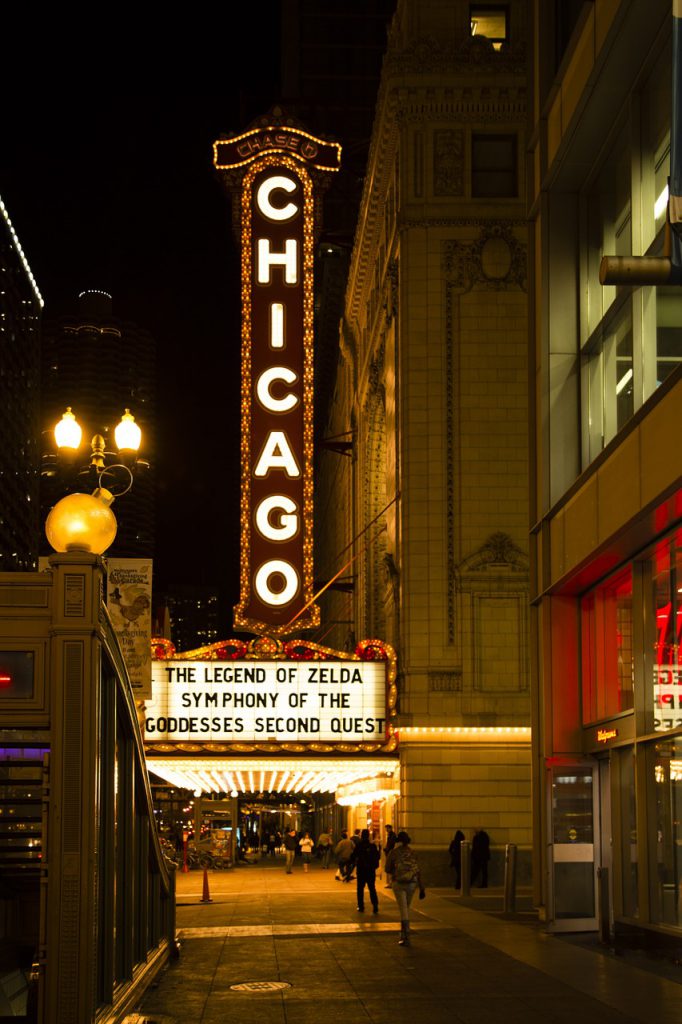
(635, 270)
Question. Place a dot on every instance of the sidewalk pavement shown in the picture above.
(303, 952)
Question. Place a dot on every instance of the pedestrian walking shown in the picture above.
(342, 852)
(390, 843)
(366, 860)
(272, 844)
(455, 850)
(480, 855)
(403, 867)
(324, 845)
(290, 845)
(306, 845)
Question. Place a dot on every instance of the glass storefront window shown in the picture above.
(665, 632)
(665, 777)
(607, 649)
(628, 817)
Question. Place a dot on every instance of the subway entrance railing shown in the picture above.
(87, 902)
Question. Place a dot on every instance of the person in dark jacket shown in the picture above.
(290, 847)
(365, 857)
(456, 857)
(480, 855)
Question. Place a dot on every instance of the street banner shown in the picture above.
(129, 601)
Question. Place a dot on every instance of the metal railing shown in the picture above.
(87, 900)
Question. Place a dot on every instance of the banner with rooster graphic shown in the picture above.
(129, 600)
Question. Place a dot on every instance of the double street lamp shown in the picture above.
(85, 522)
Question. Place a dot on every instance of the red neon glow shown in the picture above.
(5, 680)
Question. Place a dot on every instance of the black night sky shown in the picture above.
(117, 191)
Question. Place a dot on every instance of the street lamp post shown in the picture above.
(81, 521)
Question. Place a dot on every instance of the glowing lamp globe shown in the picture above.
(68, 433)
(128, 435)
(82, 522)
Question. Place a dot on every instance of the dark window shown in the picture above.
(491, 21)
(493, 166)
(16, 675)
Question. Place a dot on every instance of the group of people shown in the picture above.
(480, 855)
(358, 857)
(360, 854)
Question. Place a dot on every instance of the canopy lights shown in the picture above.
(276, 775)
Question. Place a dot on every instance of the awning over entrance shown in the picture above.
(271, 775)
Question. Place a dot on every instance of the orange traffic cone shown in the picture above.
(206, 898)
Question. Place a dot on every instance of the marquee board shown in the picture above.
(272, 695)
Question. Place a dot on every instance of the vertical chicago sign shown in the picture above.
(276, 172)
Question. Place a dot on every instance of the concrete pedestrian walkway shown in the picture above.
(304, 953)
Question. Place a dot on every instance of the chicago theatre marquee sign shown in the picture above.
(296, 694)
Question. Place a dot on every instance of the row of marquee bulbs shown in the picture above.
(68, 432)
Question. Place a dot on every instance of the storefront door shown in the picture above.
(572, 848)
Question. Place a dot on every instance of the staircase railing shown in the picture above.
(87, 900)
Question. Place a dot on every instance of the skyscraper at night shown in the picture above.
(100, 365)
(20, 310)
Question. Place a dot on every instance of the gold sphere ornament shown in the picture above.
(82, 522)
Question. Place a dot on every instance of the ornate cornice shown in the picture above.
(461, 103)
(475, 55)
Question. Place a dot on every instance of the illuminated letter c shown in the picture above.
(266, 188)
(266, 399)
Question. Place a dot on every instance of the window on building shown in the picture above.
(607, 649)
(654, 122)
(631, 338)
(491, 21)
(663, 616)
(609, 226)
(494, 170)
(608, 381)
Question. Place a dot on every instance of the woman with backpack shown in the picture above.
(403, 867)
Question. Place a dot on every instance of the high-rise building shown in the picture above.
(20, 311)
(606, 496)
(431, 390)
(100, 366)
(194, 614)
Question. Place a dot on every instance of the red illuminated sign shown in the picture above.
(276, 189)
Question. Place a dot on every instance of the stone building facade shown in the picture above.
(431, 388)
